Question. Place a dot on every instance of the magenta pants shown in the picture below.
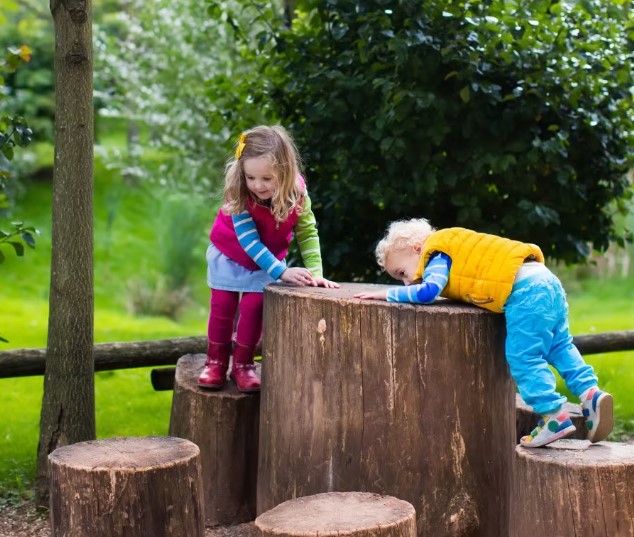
(224, 305)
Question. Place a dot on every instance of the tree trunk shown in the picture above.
(526, 419)
(68, 406)
(224, 424)
(574, 489)
(127, 487)
(415, 402)
(353, 514)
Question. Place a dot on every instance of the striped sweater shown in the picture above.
(305, 233)
(434, 281)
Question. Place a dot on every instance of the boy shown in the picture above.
(503, 276)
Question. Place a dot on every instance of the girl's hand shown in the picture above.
(377, 295)
(323, 282)
(298, 276)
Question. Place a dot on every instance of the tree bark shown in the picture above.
(224, 424)
(68, 406)
(350, 514)
(127, 487)
(574, 489)
(415, 402)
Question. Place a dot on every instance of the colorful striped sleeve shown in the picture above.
(249, 239)
(308, 239)
(434, 281)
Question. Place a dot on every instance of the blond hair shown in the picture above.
(275, 144)
(402, 234)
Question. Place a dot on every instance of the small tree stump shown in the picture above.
(132, 487)
(224, 424)
(526, 419)
(574, 489)
(354, 514)
(414, 402)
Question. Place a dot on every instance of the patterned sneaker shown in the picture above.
(598, 408)
(548, 430)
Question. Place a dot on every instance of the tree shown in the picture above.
(68, 405)
(506, 117)
(166, 52)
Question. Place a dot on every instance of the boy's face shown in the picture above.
(401, 264)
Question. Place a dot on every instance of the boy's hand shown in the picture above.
(377, 295)
(323, 282)
(299, 276)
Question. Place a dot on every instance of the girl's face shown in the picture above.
(261, 180)
(402, 263)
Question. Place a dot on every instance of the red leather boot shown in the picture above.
(243, 369)
(215, 372)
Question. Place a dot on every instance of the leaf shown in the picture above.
(465, 94)
(18, 247)
(28, 239)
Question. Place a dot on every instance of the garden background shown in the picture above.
(505, 118)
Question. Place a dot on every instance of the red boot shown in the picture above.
(243, 369)
(215, 372)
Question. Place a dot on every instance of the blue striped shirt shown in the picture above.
(434, 281)
(307, 239)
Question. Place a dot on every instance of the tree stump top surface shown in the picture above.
(345, 295)
(126, 453)
(581, 453)
(189, 368)
(335, 513)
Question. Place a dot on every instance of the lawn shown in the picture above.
(130, 243)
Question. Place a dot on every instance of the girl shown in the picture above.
(503, 276)
(265, 202)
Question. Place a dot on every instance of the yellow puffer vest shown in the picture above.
(483, 267)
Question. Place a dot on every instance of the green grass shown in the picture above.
(129, 249)
(603, 306)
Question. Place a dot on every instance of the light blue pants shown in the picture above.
(537, 335)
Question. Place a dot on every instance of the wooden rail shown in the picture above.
(165, 352)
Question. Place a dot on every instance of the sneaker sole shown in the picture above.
(605, 419)
(561, 434)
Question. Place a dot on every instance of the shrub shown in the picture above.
(505, 117)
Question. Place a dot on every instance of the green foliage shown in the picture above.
(19, 236)
(165, 51)
(14, 132)
(31, 92)
(506, 117)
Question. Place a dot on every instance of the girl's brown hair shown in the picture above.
(275, 144)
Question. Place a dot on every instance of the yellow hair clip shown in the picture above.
(241, 144)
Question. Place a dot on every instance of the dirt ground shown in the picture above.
(25, 521)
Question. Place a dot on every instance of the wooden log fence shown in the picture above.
(108, 356)
(166, 352)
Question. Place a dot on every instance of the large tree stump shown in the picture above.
(526, 419)
(132, 487)
(224, 424)
(353, 514)
(574, 489)
(410, 401)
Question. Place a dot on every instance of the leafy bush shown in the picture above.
(14, 132)
(506, 117)
(158, 298)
